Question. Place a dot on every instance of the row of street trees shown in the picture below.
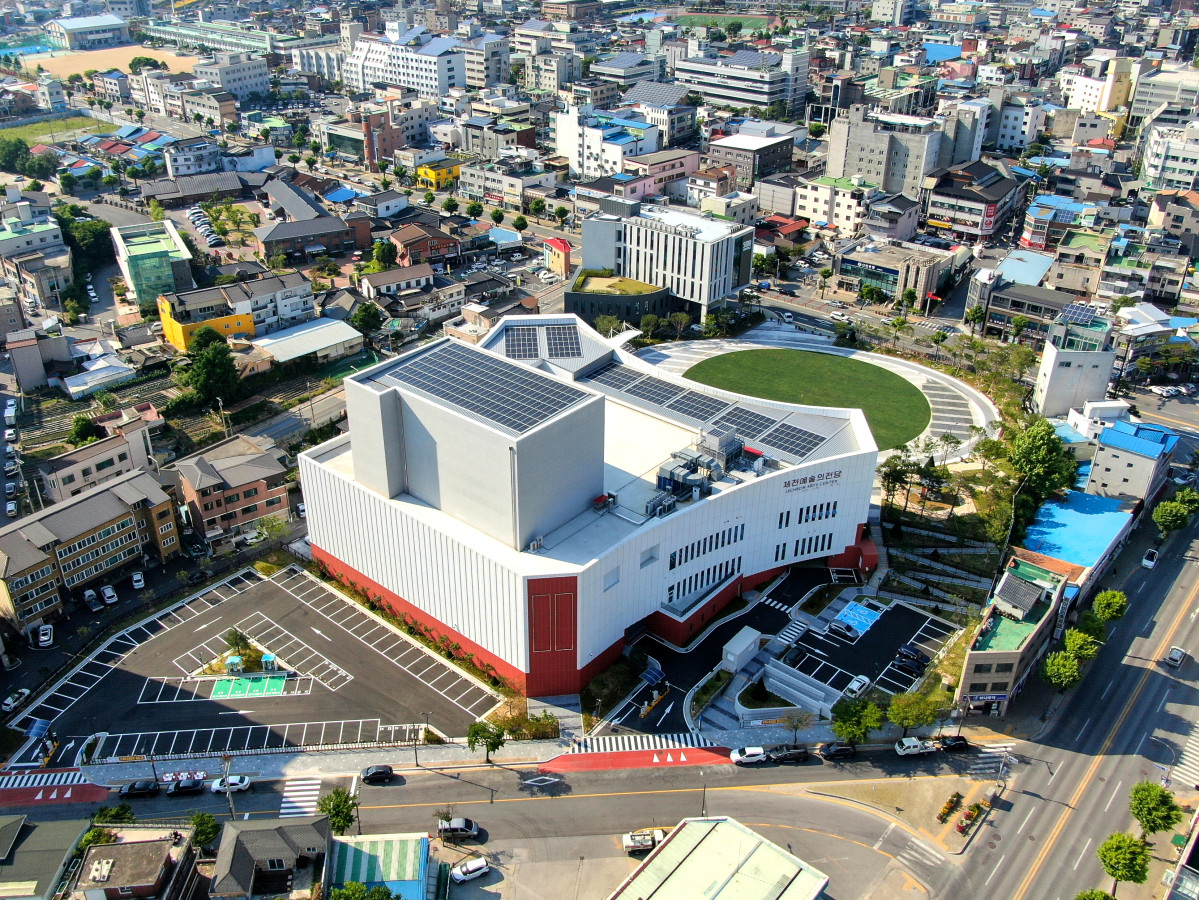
(1125, 857)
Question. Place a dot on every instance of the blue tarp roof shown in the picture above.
(1079, 529)
(342, 195)
(935, 53)
(1025, 267)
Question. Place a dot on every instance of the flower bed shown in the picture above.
(950, 805)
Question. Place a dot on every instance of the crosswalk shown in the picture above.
(776, 605)
(920, 858)
(986, 763)
(1186, 770)
(618, 743)
(42, 779)
(791, 632)
(299, 798)
(929, 325)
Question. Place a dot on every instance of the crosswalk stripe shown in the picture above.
(620, 743)
(41, 779)
(300, 798)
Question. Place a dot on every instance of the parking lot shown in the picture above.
(344, 677)
(834, 661)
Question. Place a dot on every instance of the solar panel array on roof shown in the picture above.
(563, 341)
(616, 375)
(796, 441)
(521, 343)
(654, 389)
(1078, 313)
(697, 406)
(512, 397)
(745, 422)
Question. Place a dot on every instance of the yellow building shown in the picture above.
(179, 323)
(434, 176)
(244, 309)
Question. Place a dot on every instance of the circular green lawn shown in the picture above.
(896, 409)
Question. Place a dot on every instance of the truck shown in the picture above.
(911, 746)
(643, 839)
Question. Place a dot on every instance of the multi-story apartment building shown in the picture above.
(1076, 364)
(233, 38)
(241, 74)
(324, 62)
(1131, 461)
(412, 59)
(752, 157)
(374, 132)
(597, 142)
(246, 309)
(70, 474)
(215, 107)
(1097, 84)
(487, 61)
(747, 78)
(893, 12)
(1170, 159)
(112, 86)
(192, 156)
(1049, 218)
(676, 122)
(50, 94)
(842, 203)
(33, 254)
(1156, 83)
(1021, 120)
(895, 152)
(627, 69)
(970, 202)
(55, 553)
(502, 184)
(153, 259)
(229, 486)
(698, 259)
(1177, 214)
(551, 72)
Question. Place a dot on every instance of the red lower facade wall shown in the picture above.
(681, 631)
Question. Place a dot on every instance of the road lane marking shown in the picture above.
(1082, 854)
(1106, 689)
(1025, 822)
(882, 837)
(994, 870)
(1085, 726)
(1115, 793)
(1084, 784)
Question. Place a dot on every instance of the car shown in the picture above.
(197, 577)
(788, 753)
(92, 601)
(10, 434)
(88, 278)
(15, 699)
(11, 509)
(109, 594)
(10, 405)
(10, 489)
(912, 652)
(45, 635)
(10, 450)
(216, 242)
(301, 510)
(377, 775)
(458, 828)
(185, 787)
(748, 756)
(843, 630)
(138, 580)
(953, 743)
(1161, 390)
(788, 318)
(1149, 560)
(469, 870)
(837, 750)
(840, 317)
(910, 666)
(1175, 657)
(231, 785)
(837, 304)
(144, 788)
(857, 687)
(11, 469)
(253, 537)
(1181, 477)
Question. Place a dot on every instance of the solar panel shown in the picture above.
(745, 422)
(616, 375)
(796, 441)
(521, 343)
(697, 406)
(563, 341)
(1077, 313)
(654, 390)
(511, 397)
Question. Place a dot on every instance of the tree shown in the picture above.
(122, 814)
(367, 318)
(912, 710)
(265, 134)
(202, 338)
(110, 181)
(649, 324)
(351, 890)
(205, 829)
(256, 220)
(1019, 326)
(537, 209)
(797, 720)
(386, 254)
(948, 441)
(1061, 671)
(1110, 605)
(236, 641)
(450, 205)
(67, 182)
(825, 274)
(1124, 858)
(278, 261)
(157, 213)
(294, 159)
(561, 214)
(816, 130)
(1153, 807)
(491, 737)
(679, 321)
(853, 720)
(341, 807)
(1039, 455)
(1189, 498)
(84, 431)
(975, 316)
(1094, 894)
(310, 162)
(474, 210)
(1079, 644)
(213, 374)
(1170, 515)
(96, 836)
(274, 527)
(520, 223)
(497, 216)
(607, 325)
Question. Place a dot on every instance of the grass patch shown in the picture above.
(617, 285)
(45, 452)
(894, 408)
(823, 596)
(981, 564)
(758, 696)
(709, 689)
(38, 131)
(273, 562)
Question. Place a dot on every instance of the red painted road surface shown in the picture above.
(638, 759)
(63, 793)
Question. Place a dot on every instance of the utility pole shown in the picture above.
(226, 761)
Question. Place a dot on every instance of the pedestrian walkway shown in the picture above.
(791, 632)
(987, 763)
(777, 605)
(615, 743)
(921, 859)
(300, 797)
(1186, 770)
(42, 779)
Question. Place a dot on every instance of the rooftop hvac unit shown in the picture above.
(101, 869)
(535, 544)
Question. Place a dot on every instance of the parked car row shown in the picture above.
(185, 787)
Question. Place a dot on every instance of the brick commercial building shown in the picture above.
(230, 485)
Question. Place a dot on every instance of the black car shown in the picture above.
(788, 753)
(914, 653)
(198, 577)
(954, 743)
(787, 292)
(185, 787)
(837, 750)
(138, 789)
(910, 666)
(376, 775)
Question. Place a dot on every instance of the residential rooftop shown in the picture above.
(1078, 528)
(1009, 634)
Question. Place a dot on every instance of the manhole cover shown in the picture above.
(1032, 837)
(1102, 778)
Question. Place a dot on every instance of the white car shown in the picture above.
(253, 537)
(302, 510)
(840, 317)
(13, 700)
(469, 870)
(1161, 390)
(138, 580)
(45, 636)
(11, 509)
(109, 594)
(10, 434)
(1149, 560)
(231, 785)
(748, 756)
(1175, 657)
(857, 687)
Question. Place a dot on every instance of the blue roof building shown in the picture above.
(1132, 461)
(1080, 529)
